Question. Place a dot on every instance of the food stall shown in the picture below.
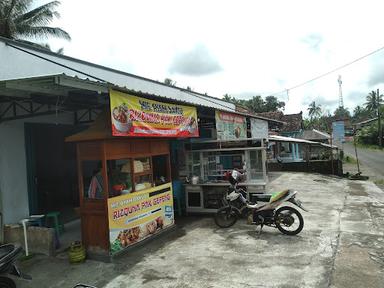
(124, 178)
(209, 161)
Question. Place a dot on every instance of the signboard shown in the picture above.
(338, 133)
(136, 116)
(137, 216)
(230, 126)
(259, 128)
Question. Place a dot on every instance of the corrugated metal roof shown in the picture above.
(85, 70)
(297, 140)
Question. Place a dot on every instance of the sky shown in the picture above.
(242, 48)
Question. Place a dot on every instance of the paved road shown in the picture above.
(374, 159)
(341, 246)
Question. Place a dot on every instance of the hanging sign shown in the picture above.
(139, 215)
(230, 126)
(259, 128)
(136, 116)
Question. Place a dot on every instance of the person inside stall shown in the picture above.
(95, 190)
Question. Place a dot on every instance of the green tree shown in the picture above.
(373, 102)
(169, 81)
(272, 104)
(314, 110)
(342, 112)
(257, 104)
(360, 114)
(227, 97)
(17, 21)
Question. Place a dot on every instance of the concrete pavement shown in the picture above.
(341, 245)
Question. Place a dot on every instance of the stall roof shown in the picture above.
(28, 63)
(297, 140)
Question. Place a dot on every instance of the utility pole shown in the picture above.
(379, 120)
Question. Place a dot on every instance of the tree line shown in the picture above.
(257, 104)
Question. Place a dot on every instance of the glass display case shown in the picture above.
(142, 173)
(207, 168)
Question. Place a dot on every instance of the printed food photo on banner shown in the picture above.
(135, 217)
(230, 126)
(140, 117)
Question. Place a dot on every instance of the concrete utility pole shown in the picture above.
(379, 120)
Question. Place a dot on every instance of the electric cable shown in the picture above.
(327, 73)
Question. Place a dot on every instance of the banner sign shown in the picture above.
(338, 133)
(138, 215)
(230, 126)
(136, 116)
(259, 128)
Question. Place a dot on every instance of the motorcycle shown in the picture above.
(8, 255)
(287, 219)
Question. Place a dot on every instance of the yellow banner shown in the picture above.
(136, 216)
(136, 116)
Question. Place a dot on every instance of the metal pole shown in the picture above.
(333, 171)
(354, 144)
(379, 120)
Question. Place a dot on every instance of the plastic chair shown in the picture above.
(59, 228)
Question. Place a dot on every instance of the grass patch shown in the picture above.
(379, 182)
(368, 146)
(349, 159)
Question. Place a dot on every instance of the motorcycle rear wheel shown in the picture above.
(284, 219)
(225, 217)
(6, 282)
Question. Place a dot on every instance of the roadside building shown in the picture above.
(65, 131)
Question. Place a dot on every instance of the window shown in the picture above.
(120, 177)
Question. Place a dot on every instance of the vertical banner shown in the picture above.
(259, 128)
(338, 133)
(136, 116)
(230, 126)
(139, 215)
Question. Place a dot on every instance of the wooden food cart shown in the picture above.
(125, 188)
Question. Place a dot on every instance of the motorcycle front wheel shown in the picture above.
(225, 217)
(6, 282)
(288, 220)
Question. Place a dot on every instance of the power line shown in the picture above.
(327, 73)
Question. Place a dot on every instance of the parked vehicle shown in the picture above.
(8, 256)
(83, 286)
(271, 213)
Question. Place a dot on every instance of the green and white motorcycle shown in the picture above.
(270, 213)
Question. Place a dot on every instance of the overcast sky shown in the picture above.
(243, 48)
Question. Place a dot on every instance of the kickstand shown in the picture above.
(262, 223)
(261, 228)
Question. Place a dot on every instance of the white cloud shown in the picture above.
(260, 46)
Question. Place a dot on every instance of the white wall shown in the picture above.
(13, 168)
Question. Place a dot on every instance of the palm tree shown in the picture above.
(314, 110)
(373, 102)
(18, 21)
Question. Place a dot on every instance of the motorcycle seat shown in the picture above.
(278, 195)
(261, 197)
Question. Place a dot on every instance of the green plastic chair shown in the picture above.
(54, 215)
